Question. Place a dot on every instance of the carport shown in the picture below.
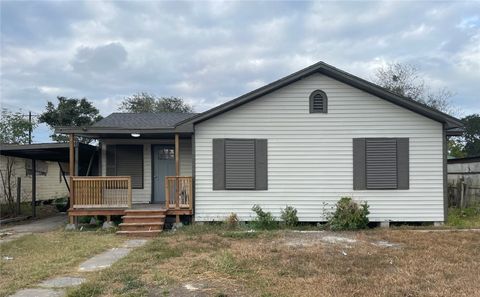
(85, 159)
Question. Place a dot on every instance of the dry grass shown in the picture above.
(39, 256)
(280, 263)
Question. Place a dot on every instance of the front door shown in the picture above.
(163, 165)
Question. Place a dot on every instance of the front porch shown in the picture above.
(109, 195)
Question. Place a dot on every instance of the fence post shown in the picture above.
(19, 193)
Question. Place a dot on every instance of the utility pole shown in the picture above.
(30, 127)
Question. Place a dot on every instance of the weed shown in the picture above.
(232, 221)
(263, 220)
(289, 216)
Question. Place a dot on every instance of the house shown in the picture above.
(304, 140)
(50, 183)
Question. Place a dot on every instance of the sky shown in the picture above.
(211, 52)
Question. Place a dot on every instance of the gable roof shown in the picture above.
(143, 120)
(450, 122)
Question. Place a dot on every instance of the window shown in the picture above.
(41, 168)
(166, 154)
(126, 160)
(240, 164)
(380, 163)
(318, 102)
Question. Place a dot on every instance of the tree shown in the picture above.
(471, 136)
(456, 148)
(14, 128)
(405, 80)
(70, 112)
(144, 102)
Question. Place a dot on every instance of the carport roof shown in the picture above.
(58, 152)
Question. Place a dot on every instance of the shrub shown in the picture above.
(264, 220)
(61, 204)
(232, 221)
(349, 215)
(289, 216)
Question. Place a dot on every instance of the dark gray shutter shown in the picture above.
(130, 163)
(359, 171)
(403, 167)
(111, 162)
(381, 163)
(240, 164)
(218, 157)
(261, 164)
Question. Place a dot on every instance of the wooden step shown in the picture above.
(145, 212)
(148, 233)
(141, 226)
(143, 219)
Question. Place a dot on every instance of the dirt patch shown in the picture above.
(201, 288)
(346, 240)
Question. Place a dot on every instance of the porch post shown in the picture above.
(177, 173)
(71, 163)
(177, 154)
(72, 155)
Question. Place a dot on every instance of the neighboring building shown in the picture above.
(305, 140)
(50, 183)
(464, 176)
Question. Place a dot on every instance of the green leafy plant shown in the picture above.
(232, 221)
(263, 220)
(289, 216)
(349, 215)
(61, 204)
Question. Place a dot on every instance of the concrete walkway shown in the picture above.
(9, 233)
(55, 287)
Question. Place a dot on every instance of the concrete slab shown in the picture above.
(36, 226)
(39, 293)
(62, 282)
(134, 243)
(104, 260)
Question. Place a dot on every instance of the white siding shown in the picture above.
(49, 186)
(145, 195)
(310, 155)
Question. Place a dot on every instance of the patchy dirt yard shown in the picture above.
(216, 262)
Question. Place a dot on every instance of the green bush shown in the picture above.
(61, 204)
(264, 220)
(349, 215)
(289, 216)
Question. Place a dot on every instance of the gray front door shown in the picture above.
(163, 165)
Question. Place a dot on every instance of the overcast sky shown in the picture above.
(210, 52)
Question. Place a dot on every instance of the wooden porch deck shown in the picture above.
(112, 195)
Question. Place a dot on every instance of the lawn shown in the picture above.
(464, 218)
(213, 261)
(32, 258)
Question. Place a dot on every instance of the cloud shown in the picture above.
(210, 52)
(100, 59)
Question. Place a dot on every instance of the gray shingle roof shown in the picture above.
(142, 120)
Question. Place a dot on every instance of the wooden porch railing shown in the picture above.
(101, 192)
(178, 192)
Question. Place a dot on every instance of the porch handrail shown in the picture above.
(101, 191)
(178, 192)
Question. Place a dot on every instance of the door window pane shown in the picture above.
(166, 154)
